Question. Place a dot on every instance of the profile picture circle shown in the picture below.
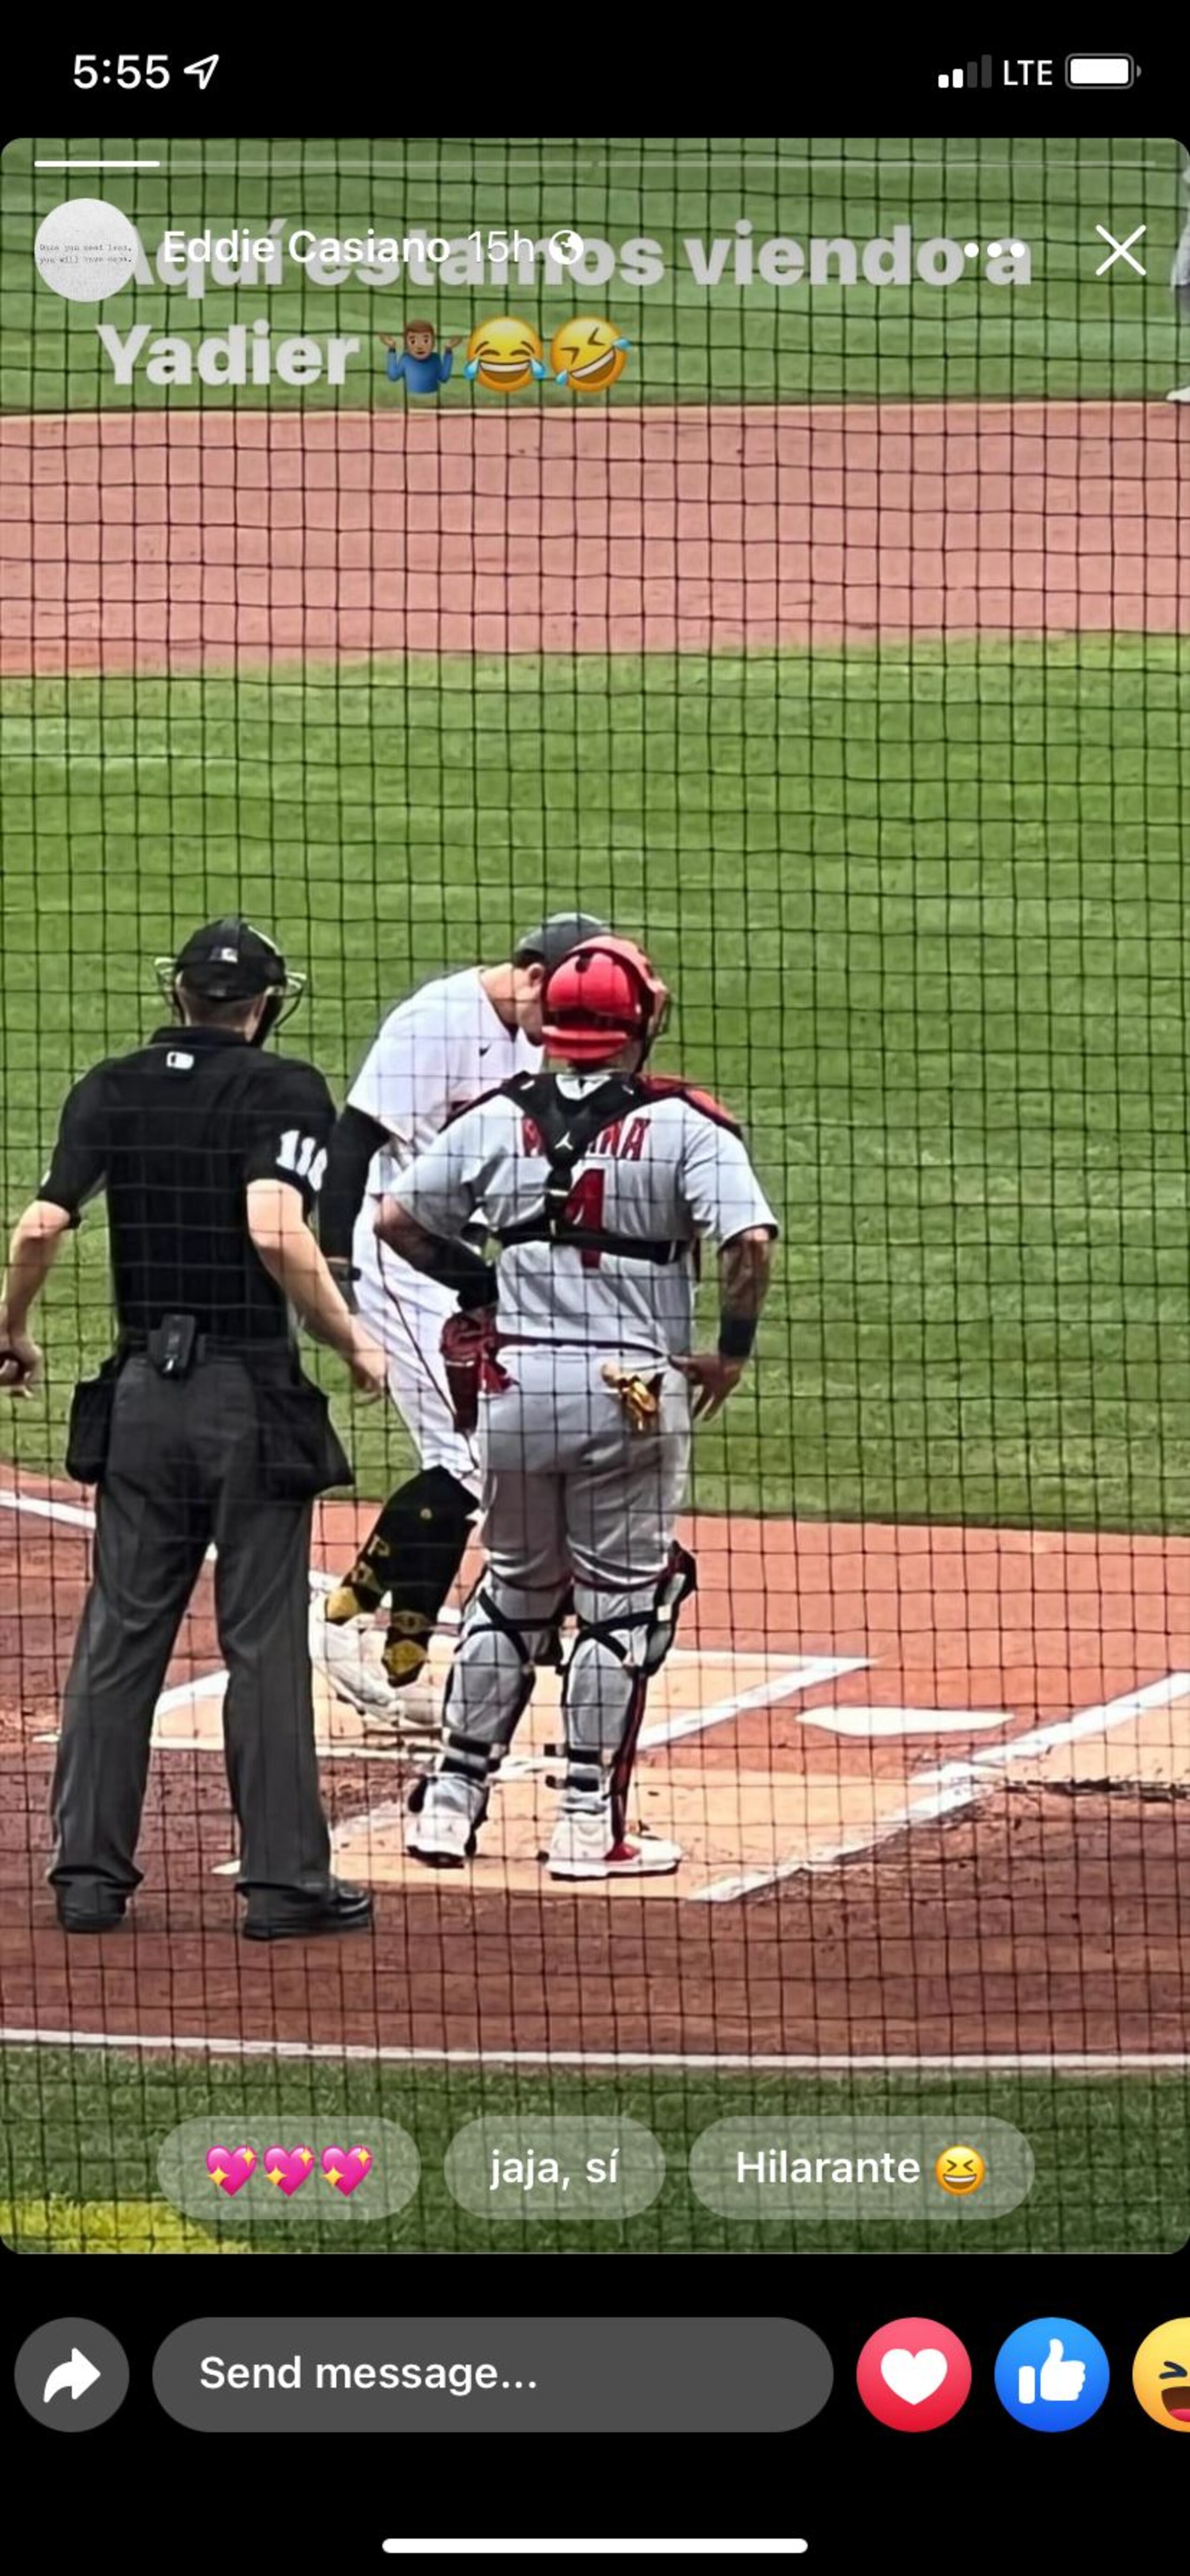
(85, 249)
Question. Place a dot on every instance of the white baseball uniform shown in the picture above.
(434, 1053)
(573, 1494)
(1180, 277)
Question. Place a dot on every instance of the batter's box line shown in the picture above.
(801, 1673)
(805, 1675)
(955, 1786)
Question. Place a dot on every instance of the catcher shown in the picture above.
(598, 1184)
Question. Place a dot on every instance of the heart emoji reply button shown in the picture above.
(230, 2168)
(288, 2168)
(346, 2167)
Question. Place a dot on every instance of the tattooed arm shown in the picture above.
(745, 1268)
(452, 1263)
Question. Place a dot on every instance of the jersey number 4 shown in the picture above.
(303, 1155)
(585, 1207)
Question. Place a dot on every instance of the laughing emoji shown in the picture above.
(504, 355)
(1161, 2375)
(960, 2171)
(587, 355)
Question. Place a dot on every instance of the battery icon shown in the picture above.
(1100, 71)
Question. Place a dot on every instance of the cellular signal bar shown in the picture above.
(976, 76)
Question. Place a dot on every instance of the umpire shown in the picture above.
(200, 1427)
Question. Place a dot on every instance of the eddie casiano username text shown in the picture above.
(356, 250)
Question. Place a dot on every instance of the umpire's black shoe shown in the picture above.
(76, 1915)
(342, 1909)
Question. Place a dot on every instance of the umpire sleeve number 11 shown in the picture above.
(304, 1156)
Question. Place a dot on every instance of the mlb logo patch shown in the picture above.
(178, 1062)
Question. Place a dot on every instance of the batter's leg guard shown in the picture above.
(605, 1691)
(413, 1555)
(488, 1690)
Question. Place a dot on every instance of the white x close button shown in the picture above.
(1120, 250)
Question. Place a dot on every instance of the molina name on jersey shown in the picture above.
(673, 1169)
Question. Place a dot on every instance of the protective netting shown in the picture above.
(795, 576)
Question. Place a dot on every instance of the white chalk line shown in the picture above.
(949, 1789)
(956, 1785)
(210, 1685)
(43, 1508)
(802, 1673)
(684, 2061)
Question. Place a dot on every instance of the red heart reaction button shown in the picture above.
(914, 2374)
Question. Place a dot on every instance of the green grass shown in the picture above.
(82, 2133)
(926, 919)
(1067, 332)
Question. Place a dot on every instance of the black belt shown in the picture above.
(211, 1345)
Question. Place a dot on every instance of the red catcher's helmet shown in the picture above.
(599, 999)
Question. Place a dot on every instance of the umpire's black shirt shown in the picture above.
(174, 1133)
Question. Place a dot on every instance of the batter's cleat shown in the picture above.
(412, 1724)
(441, 1837)
(347, 1654)
(579, 1848)
(1181, 393)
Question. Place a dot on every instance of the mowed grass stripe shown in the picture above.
(926, 920)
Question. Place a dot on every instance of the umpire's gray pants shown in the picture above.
(183, 1469)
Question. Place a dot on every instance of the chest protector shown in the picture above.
(568, 1129)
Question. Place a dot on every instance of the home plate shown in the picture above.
(871, 1722)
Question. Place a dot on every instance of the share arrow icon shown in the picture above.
(78, 2375)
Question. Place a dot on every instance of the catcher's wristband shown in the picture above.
(737, 1334)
